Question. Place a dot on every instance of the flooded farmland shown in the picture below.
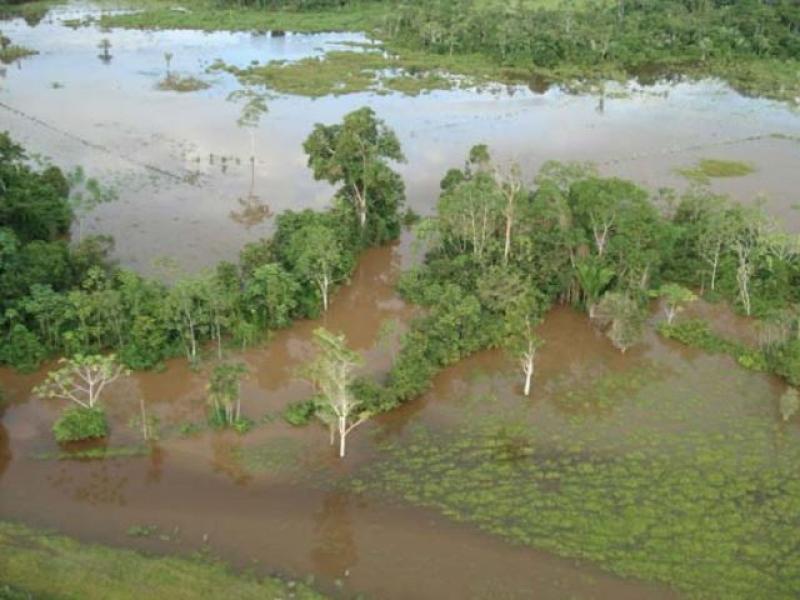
(389, 522)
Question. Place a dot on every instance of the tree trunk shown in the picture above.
(342, 436)
(528, 376)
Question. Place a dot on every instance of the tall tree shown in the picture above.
(354, 154)
(331, 373)
(82, 379)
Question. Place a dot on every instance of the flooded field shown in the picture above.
(182, 164)
(277, 499)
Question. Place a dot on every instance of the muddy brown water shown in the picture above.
(181, 166)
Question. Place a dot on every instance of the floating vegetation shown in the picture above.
(94, 453)
(10, 52)
(691, 484)
(709, 168)
(276, 455)
(340, 72)
(182, 83)
(142, 530)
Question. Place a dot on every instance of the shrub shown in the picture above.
(300, 413)
(785, 361)
(77, 424)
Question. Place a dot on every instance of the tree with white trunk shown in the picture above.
(675, 298)
(331, 373)
(82, 379)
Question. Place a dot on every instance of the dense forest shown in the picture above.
(754, 44)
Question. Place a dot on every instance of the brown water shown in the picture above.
(181, 165)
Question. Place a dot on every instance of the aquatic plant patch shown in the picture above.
(709, 168)
(690, 483)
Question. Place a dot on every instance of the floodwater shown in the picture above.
(181, 163)
(277, 499)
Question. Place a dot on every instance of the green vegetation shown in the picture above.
(331, 374)
(751, 44)
(102, 452)
(70, 300)
(498, 250)
(33, 12)
(712, 168)
(182, 83)
(300, 413)
(10, 52)
(77, 424)
(29, 559)
(343, 72)
(689, 485)
(209, 15)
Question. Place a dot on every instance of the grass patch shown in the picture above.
(698, 334)
(182, 84)
(340, 72)
(709, 168)
(53, 566)
(206, 16)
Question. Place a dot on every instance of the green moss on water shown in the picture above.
(45, 565)
(709, 168)
(692, 482)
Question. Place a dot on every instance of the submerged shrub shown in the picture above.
(300, 413)
(78, 424)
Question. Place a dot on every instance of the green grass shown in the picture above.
(204, 15)
(709, 168)
(690, 481)
(47, 565)
(341, 72)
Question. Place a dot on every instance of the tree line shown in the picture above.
(501, 253)
(61, 299)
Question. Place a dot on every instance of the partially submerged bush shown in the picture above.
(77, 424)
(182, 83)
(300, 413)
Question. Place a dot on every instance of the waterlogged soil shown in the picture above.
(602, 430)
(181, 163)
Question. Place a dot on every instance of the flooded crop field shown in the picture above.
(661, 472)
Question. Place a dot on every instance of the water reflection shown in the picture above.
(335, 551)
(96, 482)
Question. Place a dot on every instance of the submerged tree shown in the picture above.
(593, 277)
(675, 298)
(82, 379)
(105, 46)
(623, 318)
(331, 373)
(85, 195)
(354, 154)
(224, 393)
